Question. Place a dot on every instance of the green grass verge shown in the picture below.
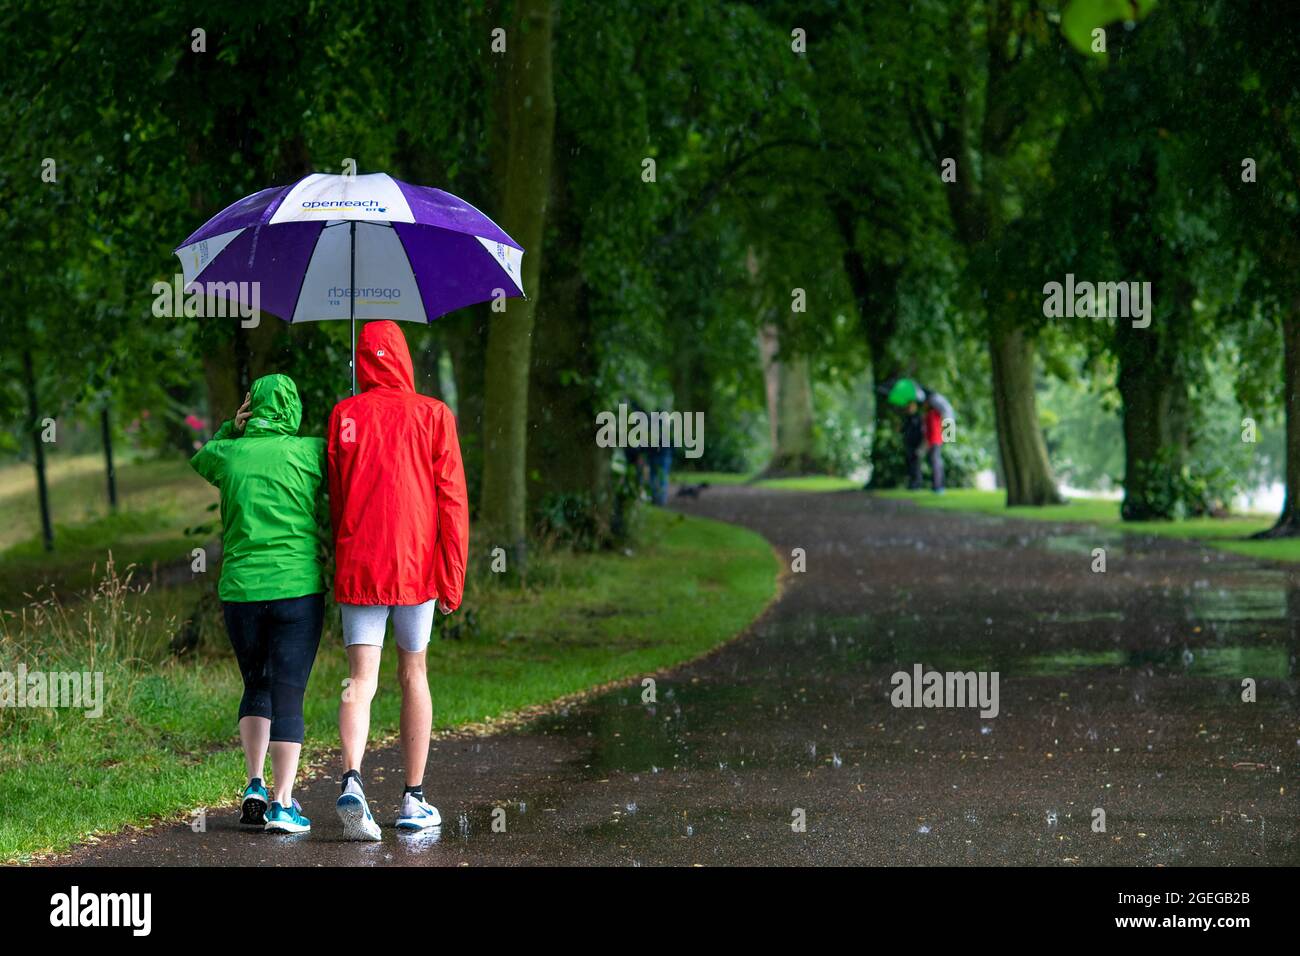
(1230, 534)
(801, 483)
(158, 501)
(167, 740)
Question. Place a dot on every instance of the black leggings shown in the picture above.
(275, 643)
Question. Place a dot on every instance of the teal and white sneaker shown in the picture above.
(353, 810)
(252, 812)
(416, 814)
(286, 819)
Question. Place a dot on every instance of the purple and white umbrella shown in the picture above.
(353, 247)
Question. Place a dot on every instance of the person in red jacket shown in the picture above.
(401, 532)
(937, 411)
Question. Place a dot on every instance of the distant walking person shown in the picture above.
(937, 411)
(661, 465)
(271, 586)
(401, 529)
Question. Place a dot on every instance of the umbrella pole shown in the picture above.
(352, 301)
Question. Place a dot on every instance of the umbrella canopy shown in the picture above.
(353, 247)
(904, 392)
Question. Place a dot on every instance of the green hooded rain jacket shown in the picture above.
(270, 482)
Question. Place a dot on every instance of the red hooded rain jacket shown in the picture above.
(397, 484)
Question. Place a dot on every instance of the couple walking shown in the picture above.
(400, 520)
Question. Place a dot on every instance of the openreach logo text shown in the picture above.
(81, 690)
(76, 909)
(363, 292)
(366, 204)
(923, 688)
(638, 429)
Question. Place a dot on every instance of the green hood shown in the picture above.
(275, 407)
(271, 481)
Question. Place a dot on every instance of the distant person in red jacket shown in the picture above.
(937, 411)
(401, 532)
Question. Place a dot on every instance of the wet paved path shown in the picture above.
(1118, 690)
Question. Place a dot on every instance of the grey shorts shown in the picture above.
(366, 624)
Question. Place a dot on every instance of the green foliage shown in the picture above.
(843, 442)
(775, 171)
(1081, 17)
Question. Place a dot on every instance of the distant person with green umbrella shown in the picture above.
(924, 414)
(905, 396)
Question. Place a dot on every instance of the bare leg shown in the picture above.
(354, 708)
(254, 736)
(417, 714)
(284, 765)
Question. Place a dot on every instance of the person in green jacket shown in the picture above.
(271, 585)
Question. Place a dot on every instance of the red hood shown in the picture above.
(383, 360)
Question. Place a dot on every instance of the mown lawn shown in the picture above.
(1230, 534)
(158, 500)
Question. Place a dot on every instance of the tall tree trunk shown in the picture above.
(875, 293)
(563, 457)
(227, 370)
(1151, 380)
(979, 207)
(110, 472)
(530, 123)
(1147, 397)
(38, 448)
(1021, 449)
(692, 383)
(1288, 523)
(888, 469)
(790, 406)
(467, 345)
(1153, 391)
(768, 347)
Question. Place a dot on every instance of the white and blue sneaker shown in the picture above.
(416, 814)
(286, 819)
(353, 810)
(252, 811)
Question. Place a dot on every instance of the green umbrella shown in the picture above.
(903, 393)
